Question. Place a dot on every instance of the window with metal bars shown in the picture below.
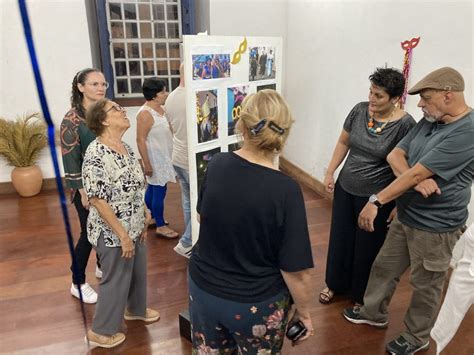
(144, 38)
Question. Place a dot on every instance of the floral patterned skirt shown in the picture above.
(220, 326)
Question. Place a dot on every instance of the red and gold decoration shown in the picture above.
(408, 47)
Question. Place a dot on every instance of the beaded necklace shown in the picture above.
(377, 130)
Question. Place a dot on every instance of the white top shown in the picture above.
(175, 108)
(159, 145)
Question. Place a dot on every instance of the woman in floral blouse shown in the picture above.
(116, 226)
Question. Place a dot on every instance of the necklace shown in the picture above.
(371, 125)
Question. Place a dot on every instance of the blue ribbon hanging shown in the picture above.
(51, 142)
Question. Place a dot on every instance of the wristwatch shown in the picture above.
(374, 200)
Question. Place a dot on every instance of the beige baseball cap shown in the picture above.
(441, 79)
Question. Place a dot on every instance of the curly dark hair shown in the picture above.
(96, 115)
(391, 80)
(76, 95)
(151, 87)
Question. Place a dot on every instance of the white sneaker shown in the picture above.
(98, 272)
(182, 250)
(88, 293)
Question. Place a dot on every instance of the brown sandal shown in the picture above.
(326, 296)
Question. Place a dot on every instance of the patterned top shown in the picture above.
(118, 179)
(159, 144)
(75, 138)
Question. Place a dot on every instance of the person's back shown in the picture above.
(175, 108)
(248, 212)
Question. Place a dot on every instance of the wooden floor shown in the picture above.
(39, 316)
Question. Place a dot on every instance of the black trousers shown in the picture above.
(351, 250)
(83, 247)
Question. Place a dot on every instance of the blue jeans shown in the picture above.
(183, 178)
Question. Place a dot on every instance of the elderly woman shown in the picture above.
(371, 130)
(115, 186)
(253, 254)
(88, 86)
(155, 144)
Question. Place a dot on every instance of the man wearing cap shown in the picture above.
(434, 165)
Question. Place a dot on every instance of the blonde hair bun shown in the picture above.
(271, 106)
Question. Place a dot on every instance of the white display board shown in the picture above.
(219, 72)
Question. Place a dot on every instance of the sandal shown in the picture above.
(166, 233)
(153, 223)
(326, 296)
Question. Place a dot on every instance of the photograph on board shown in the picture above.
(269, 86)
(235, 96)
(206, 115)
(211, 66)
(233, 147)
(262, 63)
(202, 159)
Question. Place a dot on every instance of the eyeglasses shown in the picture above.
(116, 107)
(99, 85)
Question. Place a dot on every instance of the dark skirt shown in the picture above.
(351, 250)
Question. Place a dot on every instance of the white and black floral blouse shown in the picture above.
(118, 179)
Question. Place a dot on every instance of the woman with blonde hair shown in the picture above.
(253, 254)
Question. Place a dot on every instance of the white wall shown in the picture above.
(248, 17)
(259, 18)
(202, 15)
(333, 46)
(62, 44)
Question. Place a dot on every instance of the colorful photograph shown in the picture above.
(202, 159)
(235, 96)
(206, 114)
(211, 66)
(269, 86)
(262, 63)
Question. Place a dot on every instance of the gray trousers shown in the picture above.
(123, 285)
(428, 255)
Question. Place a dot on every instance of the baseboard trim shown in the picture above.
(304, 178)
(49, 184)
(286, 166)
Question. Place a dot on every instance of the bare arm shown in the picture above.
(300, 288)
(404, 182)
(397, 159)
(340, 152)
(110, 218)
(399, 164)
(144, 124)
(401, 184)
